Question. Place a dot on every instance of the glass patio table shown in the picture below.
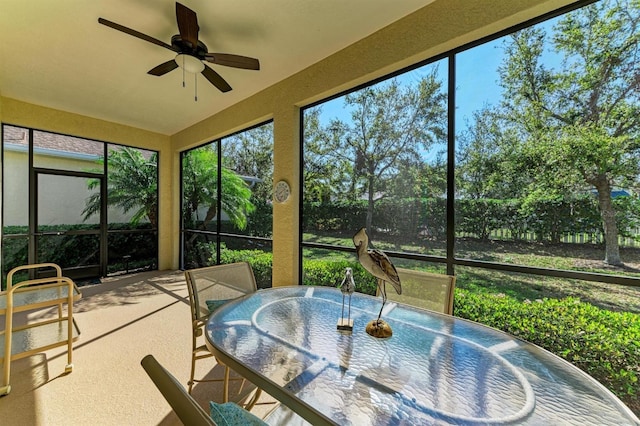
(435, 369)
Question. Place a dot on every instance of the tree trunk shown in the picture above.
(612, 250)
(211, 213)
(370, 194)
(152, 215)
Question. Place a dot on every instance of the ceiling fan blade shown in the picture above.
(163, 68)
(216, 79)
(235, 61)
(187, 24)
(135, 33)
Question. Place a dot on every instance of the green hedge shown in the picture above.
(602, 343)
(261, 262)
(83, 249)
(315, 272)
(547, 219)
(331, 274)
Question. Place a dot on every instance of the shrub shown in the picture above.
(330, 273)
(261, 262)
(604, 344)
(326, 273)
(138, 241)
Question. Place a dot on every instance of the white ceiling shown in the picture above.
(56, 54)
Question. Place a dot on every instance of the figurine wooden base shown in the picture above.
(379, 328)
(345, 325)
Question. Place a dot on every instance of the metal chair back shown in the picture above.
(425, 290)
(185, 407)
(218, 283)
(206, 286)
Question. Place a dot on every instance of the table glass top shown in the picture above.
(435, 369)
(31, 295)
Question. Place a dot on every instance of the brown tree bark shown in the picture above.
(608, 215)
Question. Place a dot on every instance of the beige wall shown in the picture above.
(437, 28)
(17, 203)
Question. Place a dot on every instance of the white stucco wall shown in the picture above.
(61, 198)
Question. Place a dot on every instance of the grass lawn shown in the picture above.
(580, 257)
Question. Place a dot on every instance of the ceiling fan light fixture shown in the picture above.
(189, 63)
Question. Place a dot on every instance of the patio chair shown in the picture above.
(209, 288)
(186, 408)
(425, 290)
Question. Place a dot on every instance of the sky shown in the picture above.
(476, 83)
(476, 78)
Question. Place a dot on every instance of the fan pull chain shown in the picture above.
(183, 85)
(195, 76)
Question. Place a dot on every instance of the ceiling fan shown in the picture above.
(191, 52)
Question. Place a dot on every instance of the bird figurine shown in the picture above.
(347, 287)
(377, 264)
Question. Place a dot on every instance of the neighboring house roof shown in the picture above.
(57, 145)
(53, 141)
(619, 193)
(250, 180)
(615, 193)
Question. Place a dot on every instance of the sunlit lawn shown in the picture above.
(581, 257)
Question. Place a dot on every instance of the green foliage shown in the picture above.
(549, 218)
(261, 262)
(200, 190)
(409, 215)
(198, 251)
(259, 221)
(142, 247)
(315, 271)
(482, 216)
(250, 153)
(132, 185)
(15, 229)
(334, 215)
(577, 118)
(331, 273)
(628, 215)
(390, 124)
(14, 253)
(604, 344)
(84, 249)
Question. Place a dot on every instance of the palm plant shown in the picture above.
(200, 186)
(132, 184)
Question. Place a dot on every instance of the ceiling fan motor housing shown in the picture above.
(185, 47)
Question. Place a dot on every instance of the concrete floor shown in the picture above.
(121, 320)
